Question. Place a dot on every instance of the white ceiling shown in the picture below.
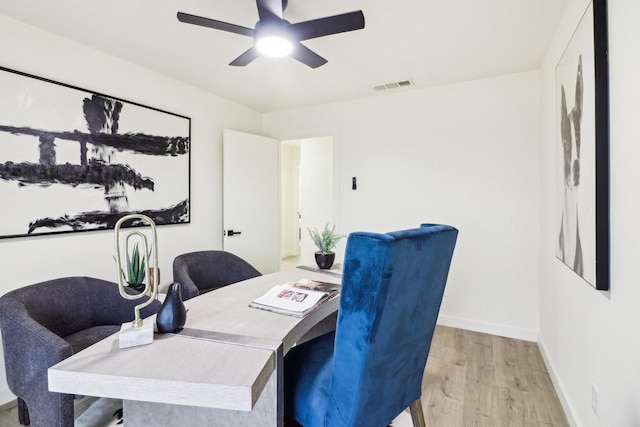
(432, 42)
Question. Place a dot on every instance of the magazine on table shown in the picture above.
(296, 298)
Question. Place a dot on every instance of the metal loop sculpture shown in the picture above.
(149, 291)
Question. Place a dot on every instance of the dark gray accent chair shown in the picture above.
(209, 270)
(45, 323)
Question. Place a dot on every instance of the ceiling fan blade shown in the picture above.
(246, 58)
(307, 56)
(269, 9)
(216, 25)
(326, 26)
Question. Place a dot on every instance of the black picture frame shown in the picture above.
(74, 160)
(582, 102)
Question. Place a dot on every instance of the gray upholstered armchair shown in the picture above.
(45, 323)
(209, 270)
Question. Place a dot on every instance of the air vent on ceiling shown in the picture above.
(393, 85)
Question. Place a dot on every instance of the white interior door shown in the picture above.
(251, 201)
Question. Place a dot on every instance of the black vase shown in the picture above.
(173, 314)
(325, 259)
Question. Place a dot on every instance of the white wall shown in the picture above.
(28, 260)
(316, 192)
(464, 154)
(590, 337)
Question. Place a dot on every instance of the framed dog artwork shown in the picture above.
(582, 111)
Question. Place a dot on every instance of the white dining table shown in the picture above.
(224, 368)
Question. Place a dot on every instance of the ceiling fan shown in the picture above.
(274, 36)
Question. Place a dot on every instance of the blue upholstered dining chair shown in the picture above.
(370, 369)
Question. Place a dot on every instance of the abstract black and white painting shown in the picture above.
(582, 151)
(76, 160)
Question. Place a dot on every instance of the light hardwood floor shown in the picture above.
(475, 379)
(472, 379)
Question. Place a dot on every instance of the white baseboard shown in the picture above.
(489, 328)
(6, 396)
(556, 384)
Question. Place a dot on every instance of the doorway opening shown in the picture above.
(306, 196)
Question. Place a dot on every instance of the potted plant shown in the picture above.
(325, 241)
(136, 271)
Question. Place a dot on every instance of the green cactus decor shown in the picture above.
(136, 271)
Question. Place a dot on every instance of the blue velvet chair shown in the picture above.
(370, 369)
(204, 271)
(45, 323)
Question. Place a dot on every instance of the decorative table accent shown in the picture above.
(135, 274)
(325, 241)
(138, 332)
(172, 315)
(325, 259)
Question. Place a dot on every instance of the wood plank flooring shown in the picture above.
(471, 380)
(475, 379)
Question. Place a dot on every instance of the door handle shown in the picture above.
(231, 232)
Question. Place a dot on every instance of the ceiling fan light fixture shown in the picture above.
(275, 36)
(275, 46)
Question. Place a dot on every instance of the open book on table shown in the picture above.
(296, 298)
